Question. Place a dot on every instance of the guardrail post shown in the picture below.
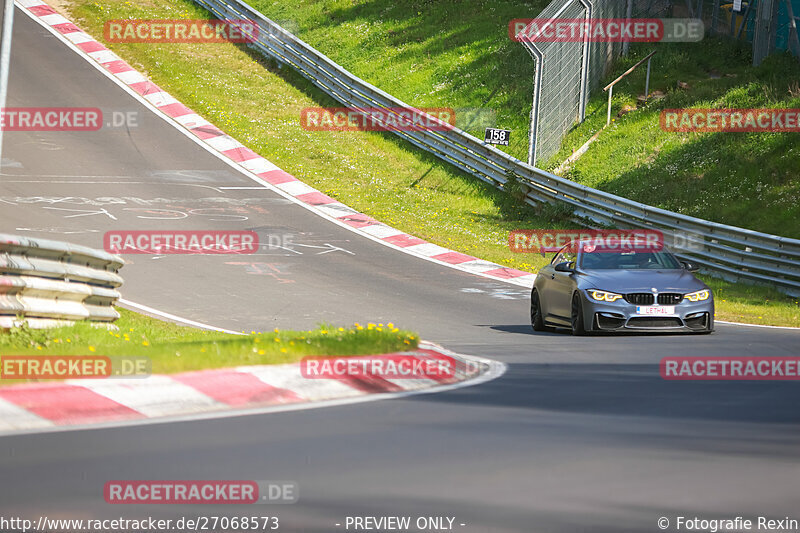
(587, 47)
(538, 65)
(5, 60)
(794, 41)
(628, 14)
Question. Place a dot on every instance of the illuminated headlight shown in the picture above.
(698, 296)
(603, 296)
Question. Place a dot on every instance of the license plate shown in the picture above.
(657, 310)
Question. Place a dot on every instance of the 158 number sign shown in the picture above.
(497, 136)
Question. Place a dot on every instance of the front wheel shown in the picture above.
(537, 320)
(578, 327)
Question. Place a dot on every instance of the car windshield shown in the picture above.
(628, 261)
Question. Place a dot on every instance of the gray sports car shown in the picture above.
(620, 291)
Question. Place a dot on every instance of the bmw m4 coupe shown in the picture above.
(592, 291)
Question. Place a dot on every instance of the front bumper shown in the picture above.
(622, 316)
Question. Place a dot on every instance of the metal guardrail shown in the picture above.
(731, 252)
(50, 283)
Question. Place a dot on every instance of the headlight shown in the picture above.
(698, 296)
(603, 296)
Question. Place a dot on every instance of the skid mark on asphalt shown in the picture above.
(83, 212)
(497, 290)
(274, 270)
(59, 231)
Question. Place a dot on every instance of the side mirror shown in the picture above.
(564, 267)
(691, 267)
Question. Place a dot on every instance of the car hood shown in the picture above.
(623, 281)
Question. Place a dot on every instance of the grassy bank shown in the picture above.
(458, 54)
(172, 348)
(743, 179)
(374, 172)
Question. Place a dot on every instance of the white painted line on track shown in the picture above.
(755, 325)
(174, 318)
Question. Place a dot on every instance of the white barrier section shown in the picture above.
(50, 283)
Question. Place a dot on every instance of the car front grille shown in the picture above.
(669, 298)
(645, 298)
(654, 322)
(639, 298)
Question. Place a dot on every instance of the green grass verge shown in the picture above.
(743, 179)
(374, 172)
(172, 348)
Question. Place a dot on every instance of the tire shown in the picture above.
(537, 321)
(578, 327)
